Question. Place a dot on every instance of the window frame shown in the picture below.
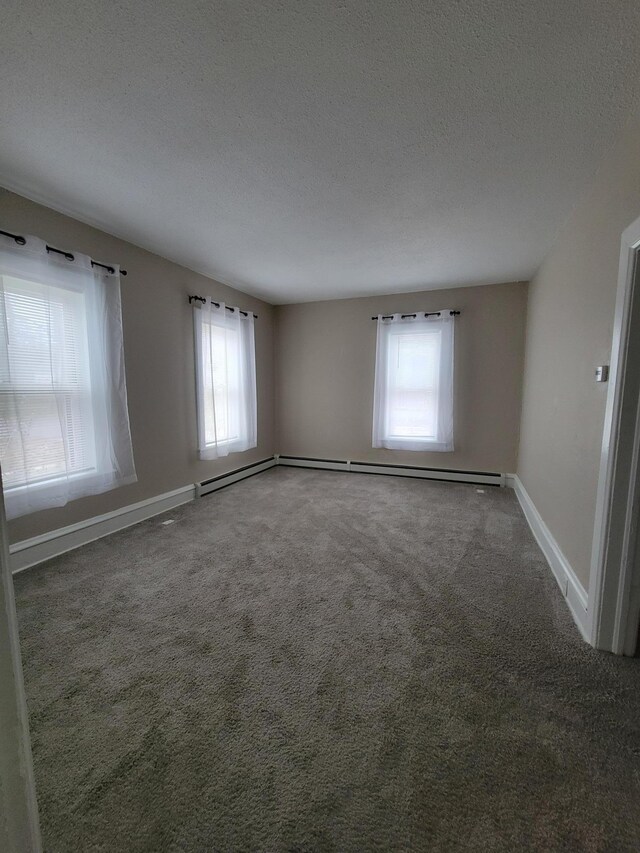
(398, 326)
(104, 446)
(216, 315)
(85, 388)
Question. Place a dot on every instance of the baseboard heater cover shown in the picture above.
(216, 483)
(31, 552)
(487, 478)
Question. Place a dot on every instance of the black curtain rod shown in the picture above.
(426, 314)
(68, 255)
(217, 304)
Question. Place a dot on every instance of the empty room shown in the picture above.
(320, 426)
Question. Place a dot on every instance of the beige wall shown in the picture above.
(158, 341)
(325, 370)
(569, 330)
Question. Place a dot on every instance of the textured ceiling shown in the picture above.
(311, 149)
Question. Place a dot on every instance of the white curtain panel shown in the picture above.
(225, 380)
(413, 394)
(64, 423)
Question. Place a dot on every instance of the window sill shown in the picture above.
(416, 444)
(224, 448)
(52, 482)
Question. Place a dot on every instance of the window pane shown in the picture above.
(46, 415)
(46, 335)
(43, 435)
(412, 384)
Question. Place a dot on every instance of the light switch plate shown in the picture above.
(602, 373)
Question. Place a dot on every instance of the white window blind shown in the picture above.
(64, 429)
(45, 384)
(225, 380)
(413, 395)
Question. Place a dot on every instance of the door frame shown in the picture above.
(20, 830)
(614, 585)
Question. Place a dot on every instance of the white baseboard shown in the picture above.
(483, 477)
(29, 552)
(573, 591)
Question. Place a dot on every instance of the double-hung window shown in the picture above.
(225, 380)
(413, 395)
(64, 426)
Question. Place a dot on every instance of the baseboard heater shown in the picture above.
(217, 483)
(487, 478)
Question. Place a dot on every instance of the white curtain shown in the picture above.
(64, 423)
(413, 394)
(225, 380)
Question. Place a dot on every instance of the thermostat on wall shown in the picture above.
(602, 373)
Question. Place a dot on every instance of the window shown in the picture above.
(225, 380)
(64, 429)
(413, 395)
(55, 409)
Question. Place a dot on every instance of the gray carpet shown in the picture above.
(313, 661)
